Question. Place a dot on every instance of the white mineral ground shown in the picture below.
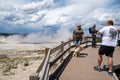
(18, 51)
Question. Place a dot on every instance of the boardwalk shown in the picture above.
(81, 68)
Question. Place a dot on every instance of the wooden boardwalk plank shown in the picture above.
(81, 68)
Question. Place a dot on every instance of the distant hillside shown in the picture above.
(8, 34)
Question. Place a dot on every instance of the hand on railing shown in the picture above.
(84, 39)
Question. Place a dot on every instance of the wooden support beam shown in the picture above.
(62, 49)
(34, 76)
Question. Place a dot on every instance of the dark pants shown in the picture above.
(93, 40)
(118, 42)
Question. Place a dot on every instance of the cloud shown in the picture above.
(37, 15)
(37, 6)
(47, 13)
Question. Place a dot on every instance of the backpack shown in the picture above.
(92, 30)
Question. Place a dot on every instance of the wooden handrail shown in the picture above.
(55, 75)
(59, 46)
(43, 71)
(34, 76)
(58, 57)
(46, 52)
(48, 64)
(42, 74)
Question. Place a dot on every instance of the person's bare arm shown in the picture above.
(73, 36)
(99, 32)
(83, 37)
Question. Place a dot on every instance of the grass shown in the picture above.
(8, 64)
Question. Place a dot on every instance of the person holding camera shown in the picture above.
(92, 30)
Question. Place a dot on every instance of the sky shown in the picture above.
(54, 20)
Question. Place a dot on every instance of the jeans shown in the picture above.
(77, 42)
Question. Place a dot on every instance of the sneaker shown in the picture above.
(97, 69)
(105, 68)
(110, 73)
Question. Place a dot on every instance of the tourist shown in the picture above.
(92, 31)
(78, 35)
(109, 42)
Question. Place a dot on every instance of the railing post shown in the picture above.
(43, 75)
(69, 44)
(62, 49)
(34, 76)
(86, 42)
(41, 65)
(46, 52)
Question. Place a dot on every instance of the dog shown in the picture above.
(77, 51)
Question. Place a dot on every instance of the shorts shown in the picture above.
(106, 50)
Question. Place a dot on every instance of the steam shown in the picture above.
(38, 37)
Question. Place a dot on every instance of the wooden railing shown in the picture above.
(56, 60)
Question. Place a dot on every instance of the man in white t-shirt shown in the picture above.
(109, 42)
